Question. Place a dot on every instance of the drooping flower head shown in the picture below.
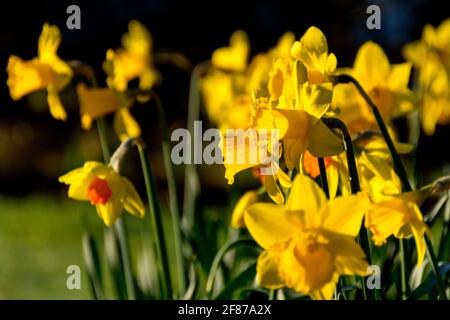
(430, 56)
(386, 84)
(104, 188)
(99, 102)
(45, 72)
(132, 61)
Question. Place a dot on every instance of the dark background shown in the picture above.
(35, 149)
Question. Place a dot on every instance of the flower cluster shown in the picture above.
(297, 89)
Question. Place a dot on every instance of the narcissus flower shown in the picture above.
(104, 188)
(398, 216)
(386, 84)
(431, 57)
(47, 71)
(309, 242)
(312, 51)
(132, 61)
(234, 57)
(98, 102)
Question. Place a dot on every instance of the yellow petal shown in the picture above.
(333, 179)
(307, 197)
(322, 141)
(344, 214)
(234, 57)
(272, 189)
(56, 107)
(268, 224)
(267, 275)
(327, 290)
(312, 49)
(371, 65)
(25, 77)
(131, 200)
(247, 199)
(98, 102)
(110, 211)
(316, 99)
(399, 76)
(125, 125)
(48, 42)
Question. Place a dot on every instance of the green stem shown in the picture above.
(191, 180)
(156, 222)
(218, 259)
(403, 270)
(173, 201)
(323, 177)
(355, 188)
(400, 169)
(120, 230)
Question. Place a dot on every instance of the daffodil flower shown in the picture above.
(234, 57)
(104, 188)
(309, 242)
(98, 102)
(298, 118)
(386, 84)
(312, 51)
(132, 61)
(398, 216)
(228, 84)
(431, 58)
(46, 71)
(246, 149)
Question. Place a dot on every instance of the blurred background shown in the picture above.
(40, 229)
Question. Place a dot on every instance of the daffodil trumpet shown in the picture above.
(400, 169)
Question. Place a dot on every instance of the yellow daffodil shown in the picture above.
(228, 84)
(234, 57)
(104, 188)
(297, 116)
(47, 71)
(132, 61)
(246, 149)
(386, 84)
(312, 51)
(431, 57)
(98, 102)
(398, 216)
(309, 242)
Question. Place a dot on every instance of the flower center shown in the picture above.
(98, 191)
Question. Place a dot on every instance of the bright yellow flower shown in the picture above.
(297, 115)
(309, 242)
(234, 57)
(244, 150)
(132, 61)
(47, 71)
(399, 216)
(98, 102)
(227, 86)
(431, 57)
(312, 51)
(386, 85)
(104, 188)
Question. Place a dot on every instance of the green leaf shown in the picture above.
(429, 283)
(92, 263)
(243, 280)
